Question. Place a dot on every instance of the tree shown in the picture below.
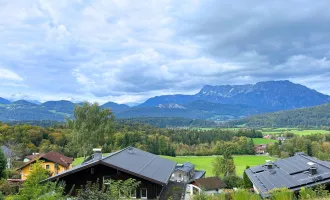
(91, 127)
(224, 166)
(232, 181)
(246, 181)
(3, 164)
(33, 190)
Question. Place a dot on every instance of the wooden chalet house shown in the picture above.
(154, 172)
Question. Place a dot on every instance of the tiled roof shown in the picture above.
(51, 156)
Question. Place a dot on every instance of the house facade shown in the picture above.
(186, 173)
(152, 171)
(260, 149)
(52, 161)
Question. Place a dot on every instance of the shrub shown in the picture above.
(281, 194)
(244, 195)
(8, 188)
(307, 193)
(233, 181)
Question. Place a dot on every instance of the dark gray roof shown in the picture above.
(292, 173)
(198, 174)
(185, 167)
(133, 161)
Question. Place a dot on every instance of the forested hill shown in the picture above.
(304, 117)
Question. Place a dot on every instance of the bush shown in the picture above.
(233, 181)
(307, 193)
(281, 194)
(244, 195)
(8, 188)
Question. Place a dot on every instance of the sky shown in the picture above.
(126, 51)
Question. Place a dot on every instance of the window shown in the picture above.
(47, 166)
(133, 194)
(143, 193)
(106, 180)
(92, 170)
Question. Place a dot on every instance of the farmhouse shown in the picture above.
(260, 149)
(186, 173)
(52, 161)
(294, 173)
(152, 171)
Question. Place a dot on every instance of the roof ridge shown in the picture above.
(114, 153)
(316, 161)
(148, 163)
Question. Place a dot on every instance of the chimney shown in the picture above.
(97, 154)
(313, 170)
(269, 165)
(130, 150)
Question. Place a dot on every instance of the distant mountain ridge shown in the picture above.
(217, 103)
(270, 95)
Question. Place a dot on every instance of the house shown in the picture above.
(186, 173)
(209, 185)
(282, 139)
(294, 173)
(152, 171)
(266, 136)
(52, 161)
(260, 149)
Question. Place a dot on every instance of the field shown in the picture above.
(205, 162)
(292, 130)
(262, 141)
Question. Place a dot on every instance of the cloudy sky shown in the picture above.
(128, 50)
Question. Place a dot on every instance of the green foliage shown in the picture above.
(246, 181)
(305, 117)
(244, 195)
(233, 181)
(3, 164)
(91, 127)
(119, 188)
(224, 166)
(33, 190)
(281, 194)
(307, 193)
(203, 196)
(8, 188)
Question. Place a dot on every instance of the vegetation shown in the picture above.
(262, 141)
(3, 164)
(91, 127)
(246, 181)
(305, 117)
(224, 165)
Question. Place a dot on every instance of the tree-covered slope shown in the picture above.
(312, 116)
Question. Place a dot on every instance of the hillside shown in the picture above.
(312, 116)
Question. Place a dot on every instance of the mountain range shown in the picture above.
(217, 103)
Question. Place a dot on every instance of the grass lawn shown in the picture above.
(262, 141)
(293, 130)
(205, 162)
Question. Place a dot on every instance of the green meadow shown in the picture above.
(296, 131)
(262, 141)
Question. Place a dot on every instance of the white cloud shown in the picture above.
(6, 74)
(127, 50)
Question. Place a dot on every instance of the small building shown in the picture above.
(266, 136)
(152, 171)
(52, 161)
(209, 185)
(260, 149)
(186, 173)
(293, 173)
